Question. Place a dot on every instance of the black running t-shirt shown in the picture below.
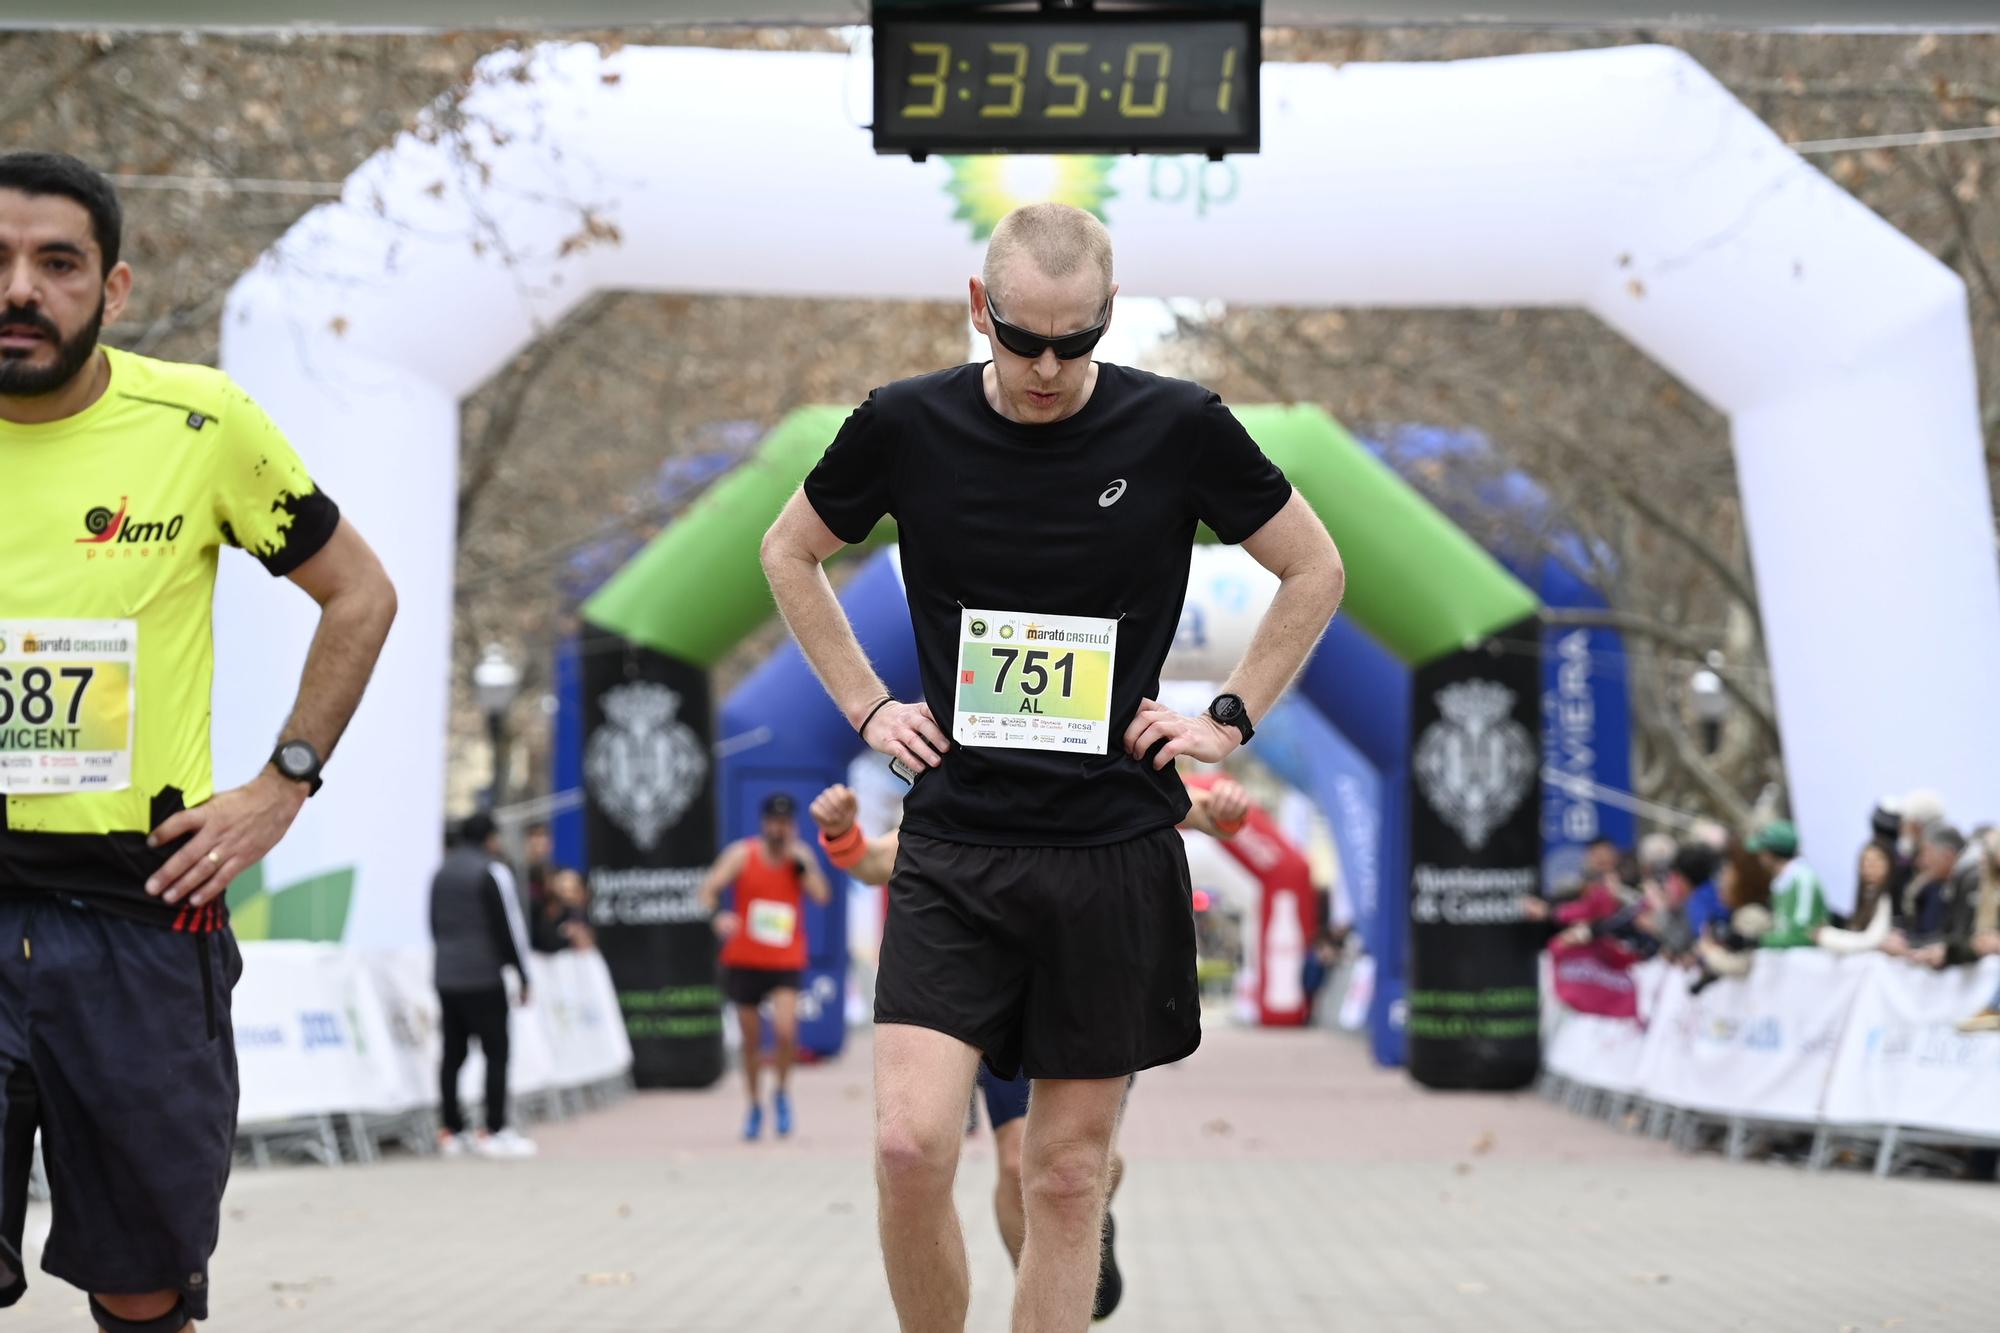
(1093, 516)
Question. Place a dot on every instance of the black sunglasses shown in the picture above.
(1068, 347)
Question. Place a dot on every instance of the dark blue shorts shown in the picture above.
(115, 1042)
(1006, 1099)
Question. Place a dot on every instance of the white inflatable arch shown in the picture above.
(1627, 182)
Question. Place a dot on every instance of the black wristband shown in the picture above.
(884, 702)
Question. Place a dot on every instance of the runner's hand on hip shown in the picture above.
(226, 835)
(1200, 738)
(907, 732)
(834, 809)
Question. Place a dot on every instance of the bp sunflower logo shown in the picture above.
(989, 188)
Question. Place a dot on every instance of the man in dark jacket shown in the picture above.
(476, 924)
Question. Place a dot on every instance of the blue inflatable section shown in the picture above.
(1586, 707)
(566, 828)
(780, 733)
(1363, 690)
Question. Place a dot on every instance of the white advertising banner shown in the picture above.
(1807, 1037)
(312, 1035)
(1603, 1052)
(1903, 1060)
(1761, 1046)
(323, 1030)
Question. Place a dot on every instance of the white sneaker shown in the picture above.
(507, 1145)
(451, 1145)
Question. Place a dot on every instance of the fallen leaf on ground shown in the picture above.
(1219, 1128)
(1485, 1143)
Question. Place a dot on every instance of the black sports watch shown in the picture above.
(1230, 712)
(300, 762)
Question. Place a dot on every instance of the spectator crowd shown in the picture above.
(1924, 891)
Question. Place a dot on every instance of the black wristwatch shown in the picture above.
(1230, 712)
(300, 762)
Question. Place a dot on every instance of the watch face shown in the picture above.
(296, 759)
(1227, 708)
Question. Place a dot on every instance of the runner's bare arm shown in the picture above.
(1217, 811)
(724, 872)
(834, 810)
(879, 862)
(794, 550)
(238, 828)
(1295, 546)
(811, 878)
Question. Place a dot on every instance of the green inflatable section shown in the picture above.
(1415, 581)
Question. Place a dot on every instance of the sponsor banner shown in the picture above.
(1475, 852)
(649, 787)
(322, 1030)
(313, 1036)
(1902, 1059)
(1600, 1051)
(1762, 1045)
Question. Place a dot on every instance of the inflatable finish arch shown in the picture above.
(1626, 181)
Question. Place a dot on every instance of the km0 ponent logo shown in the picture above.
(103, 527)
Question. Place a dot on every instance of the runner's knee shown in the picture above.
(912, 1163)
(152, 1312)
(1067, 1175)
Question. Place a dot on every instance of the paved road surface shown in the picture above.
(1278, 1183)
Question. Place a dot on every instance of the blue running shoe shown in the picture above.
(753, 1124)
(782, 1104)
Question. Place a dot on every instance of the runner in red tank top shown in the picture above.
(764, 944)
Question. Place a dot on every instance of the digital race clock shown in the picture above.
(1066, 81)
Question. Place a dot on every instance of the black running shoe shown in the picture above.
(1110, 1286)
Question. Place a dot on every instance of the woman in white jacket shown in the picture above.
(1874, 905)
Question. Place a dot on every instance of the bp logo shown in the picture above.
(1475, 764)
(644, 765)
(989, 188)
(1007, 630)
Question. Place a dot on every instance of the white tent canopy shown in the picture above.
(1626, 181)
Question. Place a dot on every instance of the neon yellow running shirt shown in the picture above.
(110, 524)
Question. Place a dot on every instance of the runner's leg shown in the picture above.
(751, 1023)
(785, 1032)
(140, 1309)
(1065, 1169)
(1007, 1204)
(923, 1079)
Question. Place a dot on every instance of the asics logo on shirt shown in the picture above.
(1112, 493)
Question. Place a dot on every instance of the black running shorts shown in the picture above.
(751, 986)
(115, 1042)
(1065, 962)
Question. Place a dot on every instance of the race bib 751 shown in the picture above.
(1028, 682)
